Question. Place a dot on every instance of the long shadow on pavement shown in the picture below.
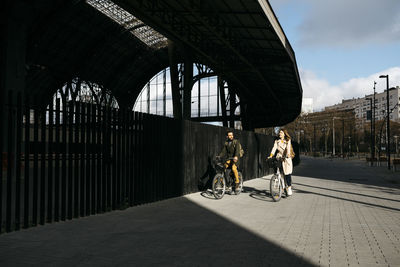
(175, 232)
(263, 195)
(346, 199)
(347, 192)
(349, 171)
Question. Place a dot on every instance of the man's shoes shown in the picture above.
(289, 191)
(237, 186)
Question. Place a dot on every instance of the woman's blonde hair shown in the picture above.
(287, 136)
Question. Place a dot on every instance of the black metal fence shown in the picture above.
(201, 143)
(61, 163)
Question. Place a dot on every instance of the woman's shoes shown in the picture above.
(289, 191)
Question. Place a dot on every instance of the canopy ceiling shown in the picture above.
(241, 40)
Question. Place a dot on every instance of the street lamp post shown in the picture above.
(326, 139)
(380, 135)
(373, 127)
(333, 135)
(342, 146)
(314, 142)
(387, 122)
(372, 140)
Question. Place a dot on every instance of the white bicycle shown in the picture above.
(277, 184)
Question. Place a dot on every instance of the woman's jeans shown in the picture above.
(288, 178)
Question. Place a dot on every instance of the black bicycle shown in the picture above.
(224, 180)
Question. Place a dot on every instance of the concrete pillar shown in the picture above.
(14, 19)
(188, 82)
(173, 70)
(14, 45)
(232, 107)
(246, 122)
(222, 100)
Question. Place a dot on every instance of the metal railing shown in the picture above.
(85, 159)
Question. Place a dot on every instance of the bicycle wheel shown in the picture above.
(275, 188)
(240, 187)
(218, 186)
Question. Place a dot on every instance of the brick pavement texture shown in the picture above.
(342, 213)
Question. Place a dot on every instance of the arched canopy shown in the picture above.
(73, 39)
(241, 40)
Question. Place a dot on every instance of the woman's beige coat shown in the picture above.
(283, 146)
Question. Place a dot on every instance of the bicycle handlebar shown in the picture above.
(219, 158)
(274, 161)
(280, 158)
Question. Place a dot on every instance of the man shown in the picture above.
(231, 149)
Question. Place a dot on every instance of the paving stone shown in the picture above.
(342, 213)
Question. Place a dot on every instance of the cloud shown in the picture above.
(343, 23)
(350, 23)
(325, 94)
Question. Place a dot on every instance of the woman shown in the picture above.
(284, 147)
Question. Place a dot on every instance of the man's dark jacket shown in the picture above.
(230, 150)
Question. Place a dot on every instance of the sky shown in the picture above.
(342, 46)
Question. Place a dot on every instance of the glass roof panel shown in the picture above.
(143, 32)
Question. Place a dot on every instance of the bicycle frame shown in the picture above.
(220, 168)
(223, 180)
(277, 183)
(281, 180)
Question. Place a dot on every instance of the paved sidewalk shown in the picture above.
(342, 213)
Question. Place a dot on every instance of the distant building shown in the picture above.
(307, 105)
(362, 105)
